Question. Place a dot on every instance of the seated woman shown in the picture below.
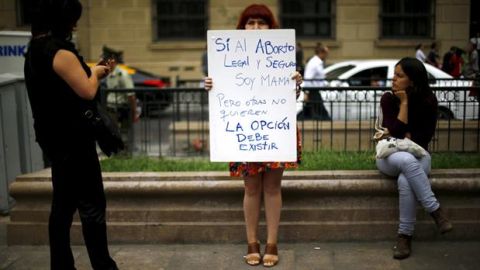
(411, 111)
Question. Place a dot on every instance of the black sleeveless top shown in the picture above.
(56, 108)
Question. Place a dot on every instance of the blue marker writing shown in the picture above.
(221, 45)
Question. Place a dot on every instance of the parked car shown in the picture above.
(360, 104)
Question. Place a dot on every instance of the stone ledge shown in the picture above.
(196, 207)
(320, 186)
(45, 175)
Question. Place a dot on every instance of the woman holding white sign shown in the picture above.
(261, 177)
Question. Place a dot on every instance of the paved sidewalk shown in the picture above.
(435, 255)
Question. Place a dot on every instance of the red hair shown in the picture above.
(257, 11)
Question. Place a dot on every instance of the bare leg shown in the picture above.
(273, 206)
(251, 210)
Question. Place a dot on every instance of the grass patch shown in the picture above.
(455, 160)
(333, 160)
(321, 160)
(151, 164)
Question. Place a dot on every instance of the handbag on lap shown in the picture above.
(387, 145)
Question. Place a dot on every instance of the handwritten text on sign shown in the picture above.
(252, 102)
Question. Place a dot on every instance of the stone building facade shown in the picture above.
(128, 25)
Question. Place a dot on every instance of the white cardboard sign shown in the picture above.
(252, 102)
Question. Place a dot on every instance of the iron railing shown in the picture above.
(174, 121)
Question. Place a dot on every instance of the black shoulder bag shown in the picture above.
(104, 127)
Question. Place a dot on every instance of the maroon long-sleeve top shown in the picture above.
(422, 118)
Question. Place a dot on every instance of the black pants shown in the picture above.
(77, 184)
(315, 109)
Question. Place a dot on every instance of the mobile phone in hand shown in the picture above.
(105, 61)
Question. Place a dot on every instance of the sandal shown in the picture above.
(272, 252)
(253, 254)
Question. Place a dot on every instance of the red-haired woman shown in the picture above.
(261, 177)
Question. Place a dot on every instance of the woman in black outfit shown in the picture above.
(59, 85)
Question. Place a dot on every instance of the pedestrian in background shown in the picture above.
(471, 66)
(419, 54)
(475, 40)
(457, 62)
(299, 58)
(123, 103)
(261, 177)
(447, 64)
(314, 70)
(433, 57)
(59, 84)
(315, 77)
(410, 111)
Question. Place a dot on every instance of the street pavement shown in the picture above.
(435, 255)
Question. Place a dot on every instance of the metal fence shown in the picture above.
(18, 151)
(174, 121)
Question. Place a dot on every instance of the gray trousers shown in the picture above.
(413, 185)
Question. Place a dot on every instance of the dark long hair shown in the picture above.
(257, 11)
(55, 17)
(416, 72)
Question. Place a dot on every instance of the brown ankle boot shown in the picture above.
(441, 220)
(403, 247)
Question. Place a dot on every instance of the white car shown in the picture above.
(360, 104)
